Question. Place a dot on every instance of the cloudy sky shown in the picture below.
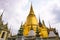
(16, 11)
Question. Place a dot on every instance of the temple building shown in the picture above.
(30, 30)
(4, 31)
(32, 21)
(34, 30)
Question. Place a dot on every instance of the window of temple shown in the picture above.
(3, 35)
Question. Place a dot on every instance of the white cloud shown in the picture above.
(15, 11)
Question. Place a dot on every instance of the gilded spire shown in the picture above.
(1, 16)
(1, 22)
(31, 10)
(2, 13)
(43, 22)
(40, 24)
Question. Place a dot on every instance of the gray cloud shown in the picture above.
(56, 11)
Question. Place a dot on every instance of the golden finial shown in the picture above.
(31, 9)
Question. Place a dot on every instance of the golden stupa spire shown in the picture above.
(31, 9)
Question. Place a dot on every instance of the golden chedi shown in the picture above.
(32, 21)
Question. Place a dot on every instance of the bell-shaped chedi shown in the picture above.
(31, 18)
(32, 22)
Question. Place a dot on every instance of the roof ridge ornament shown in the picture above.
(40, 24)
(2, 13)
